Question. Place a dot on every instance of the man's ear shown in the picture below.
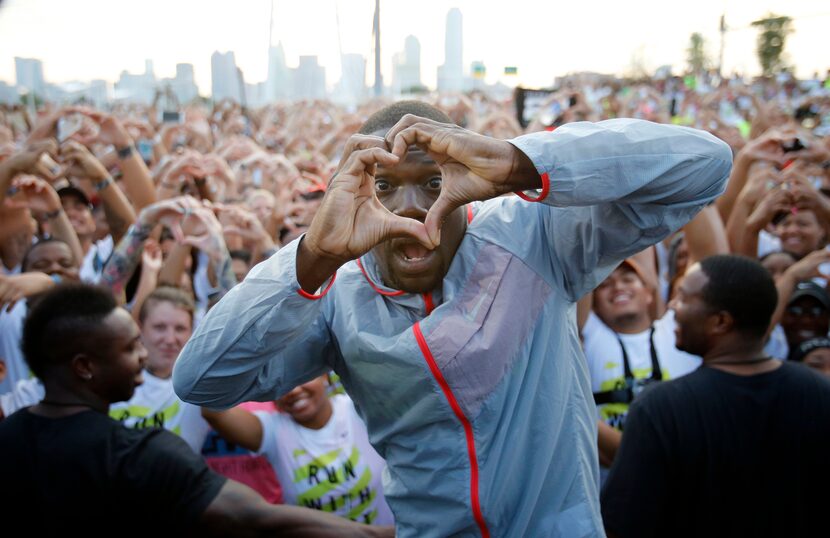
(82, 366)
(721, 322)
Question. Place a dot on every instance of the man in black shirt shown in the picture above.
(736, 448)
(66, 466)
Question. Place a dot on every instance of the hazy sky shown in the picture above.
(86, 39)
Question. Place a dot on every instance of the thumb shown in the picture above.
(406, 227)
(436, 216)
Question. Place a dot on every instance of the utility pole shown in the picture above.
(376, 29)
(722, 40)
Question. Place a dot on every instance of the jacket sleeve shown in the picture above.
(617, 187)
(260, 341)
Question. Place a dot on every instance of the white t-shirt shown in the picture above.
(94, 261)
(26, 392)
(155, 404)
(333, 469)
(767, 243)
(605, 359)
(11, 331)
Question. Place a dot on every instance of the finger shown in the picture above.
(43, 171)
(414, 135)
(406, 227)
(364, 160)
(176, 230)
(72, 145)
(436, 216)
(195, 241)
(49, 146)
(358, 142)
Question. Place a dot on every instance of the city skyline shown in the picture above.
(496, 46)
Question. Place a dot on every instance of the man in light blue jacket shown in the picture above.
(451, 322)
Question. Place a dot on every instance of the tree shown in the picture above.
(773, 34)
(696, 54)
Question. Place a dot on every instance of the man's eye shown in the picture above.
(381, 185)
(434, 183)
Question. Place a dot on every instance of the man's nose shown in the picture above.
(412, 203)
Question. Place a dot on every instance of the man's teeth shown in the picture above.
(407, 258)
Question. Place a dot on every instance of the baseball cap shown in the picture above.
(71, 190)
(638, 269)
(808, 288)
(805, 347)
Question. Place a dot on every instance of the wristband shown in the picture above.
(49, 215)
(542, 194)
(103, 184)
(125, 152)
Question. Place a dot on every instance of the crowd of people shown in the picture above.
(259, 262)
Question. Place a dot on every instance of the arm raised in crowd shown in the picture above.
(764, 148)
(117, 208)
(127, 253)
(150, 267)
(137, 181)
(28, 161)
(706, 235)
(804, 269)
(43, 201)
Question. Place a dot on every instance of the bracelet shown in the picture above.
(125, 152)
(103, 184)
(49, 215)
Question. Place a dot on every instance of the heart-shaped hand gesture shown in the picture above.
(351, 220)
(473, 166)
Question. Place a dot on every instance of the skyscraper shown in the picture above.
(309, 79)
(351, 89)
(450, 75)
(138, 88)
(224, 76)
(278, 84)
(184, 85)
(29, 74)
(406, 67)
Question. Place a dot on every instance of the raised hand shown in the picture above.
(244, 224)
(169, 213)
(83, 162)
(110, 130)
(777, 200)
(13, 288)
(351, 220)
(473, 167)
(151, 256)
(767, 147)
(201, 229)
(40, 196)
(36, 159)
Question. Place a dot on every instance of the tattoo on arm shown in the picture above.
(121, 265)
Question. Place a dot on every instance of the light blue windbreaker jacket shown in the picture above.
(477, 395)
